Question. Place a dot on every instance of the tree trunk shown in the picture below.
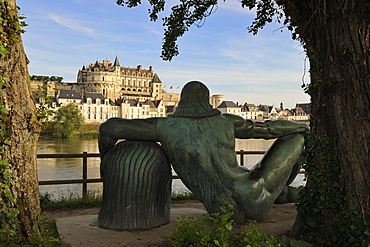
(20, 128)
(336, 36)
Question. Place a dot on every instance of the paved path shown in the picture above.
(82, 230)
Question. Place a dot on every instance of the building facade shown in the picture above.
(114, 81)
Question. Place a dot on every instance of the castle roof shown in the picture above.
(69, 94)
(156, 79)
(94, 96)
(116, 62)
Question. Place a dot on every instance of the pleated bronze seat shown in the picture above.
(136, 187)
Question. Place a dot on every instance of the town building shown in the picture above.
(231, 108)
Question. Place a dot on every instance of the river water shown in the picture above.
(71, 168)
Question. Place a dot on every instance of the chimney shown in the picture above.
(151, 69)
(105, 64)
(139, 68)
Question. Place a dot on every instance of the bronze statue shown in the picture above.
(199, 142)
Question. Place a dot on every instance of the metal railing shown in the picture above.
(86, 180)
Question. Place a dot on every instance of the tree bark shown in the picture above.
(20, 130)
(336, 36)
(341, 94)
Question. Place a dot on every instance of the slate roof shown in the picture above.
(155, 103)
(69, 94)
(94, 96)
(171, 109)
(299, 111)
(116, 62)
(227, 104)
(156, 79)
(306, 107)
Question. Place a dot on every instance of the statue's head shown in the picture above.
(194, 102)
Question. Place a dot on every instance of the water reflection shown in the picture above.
(71, 168)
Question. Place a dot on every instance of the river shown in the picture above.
(71, 168)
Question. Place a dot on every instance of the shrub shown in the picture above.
(216, 230)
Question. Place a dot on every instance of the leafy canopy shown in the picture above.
(67, 120)
(193, 12)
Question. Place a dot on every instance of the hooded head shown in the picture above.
(194, 102)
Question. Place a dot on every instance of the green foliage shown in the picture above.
(45, 108)
(67, 120)
(9, 223)
(45, 239)
(184, 195)
(324, 198)
(70, 200)
(182, 16)
(12, 27)
(90, 135)
(46, 78)
(217, 230)
(89, 128)
(188, 13)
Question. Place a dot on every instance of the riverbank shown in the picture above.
(87, 131)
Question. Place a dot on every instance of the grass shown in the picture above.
(182, 195)
(73, 200)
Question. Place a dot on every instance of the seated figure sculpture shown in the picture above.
(199, 142)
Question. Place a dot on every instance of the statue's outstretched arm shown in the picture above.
(269, 129)
(130, 129)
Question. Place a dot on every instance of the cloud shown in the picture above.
(71, 23)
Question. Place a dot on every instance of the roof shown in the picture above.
(69, 94)
(227, 104)
(306, 107)
(94, 96)
(156, 79)
(116, 62)
(299, 111)
(171, 109)
(155, 103)
(132, 102)
(249, 107)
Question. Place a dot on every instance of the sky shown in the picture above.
(268, 68)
